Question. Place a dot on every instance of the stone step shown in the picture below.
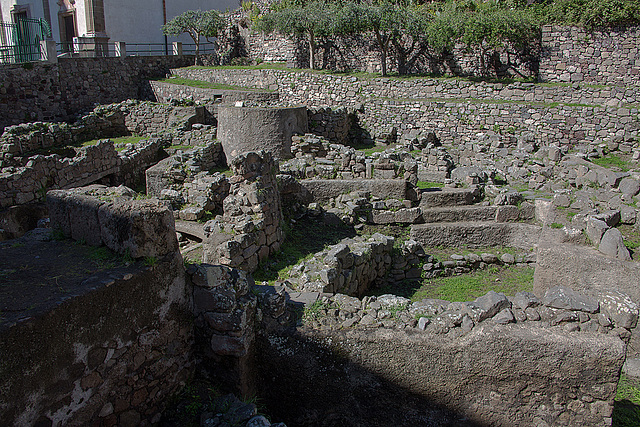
(472, 213)
(191, 228)
(432, 197)
(476, 234)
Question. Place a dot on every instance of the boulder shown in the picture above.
(612, 244)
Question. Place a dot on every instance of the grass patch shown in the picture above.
(429, 184)
(120, 140)
(369, 151)
(615, 161)
(556, 225)
(471, 286)
(626, 408)
(208, 85)
(225, 170)
(630, 237)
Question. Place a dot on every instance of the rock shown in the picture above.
(629, 186)
(512, 198)
(525, 300)
(258, 421)
(611, 217)
(508, 259)
(595, 229)
(503, 317)
(423, 322)
(489, 305)
(489, 258)
(631, 368)
(532, 314)
(566, 298)
(612, 245)
(620, 309)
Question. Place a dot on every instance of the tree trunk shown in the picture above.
(312, 51)
(383, 52)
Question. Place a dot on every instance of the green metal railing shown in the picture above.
(20, 41)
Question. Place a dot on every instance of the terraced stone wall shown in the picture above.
(455, 110)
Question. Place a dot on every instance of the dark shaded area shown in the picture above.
(626, 414)
(303, 383)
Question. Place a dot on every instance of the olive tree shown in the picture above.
(307, 20)
(197, 24)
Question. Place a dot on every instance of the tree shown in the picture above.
(385, 21)
(310, 20)
(197, 24)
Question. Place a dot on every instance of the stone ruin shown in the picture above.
(372, 359)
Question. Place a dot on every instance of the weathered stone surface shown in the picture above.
(401, 216)
(595, 229)
(565, 298)
(584, 270)
(612, 244)
(489, 305)
(476, 234)
(391, 353)
(620, 309)
(629, 186)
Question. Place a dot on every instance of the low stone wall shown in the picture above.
(116, 351)
(324, 189)
(91, 164)
(440, 363)
(572, 54)
(475, 235)
(94, 214)
(166, 92)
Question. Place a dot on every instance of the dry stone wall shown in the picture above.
(456, 110)
(29, 183)
(250, 229)
(572, 54)
(167, 92)
(60, 92)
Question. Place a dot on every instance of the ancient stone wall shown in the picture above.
(114, 353)
(455, 110)
(28, 183)
(59, 92)
(572, 54)
(250, 229)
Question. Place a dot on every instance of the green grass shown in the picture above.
(613, 160)
(630, 235)
(471, 286)
(119, 140)
(208, 85)
(429, 184)
(626, 408)
(556, 225)
(369, 151)
(225, 170)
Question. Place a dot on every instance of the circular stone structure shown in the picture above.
(243, 129)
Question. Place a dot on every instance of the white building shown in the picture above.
(130, 21)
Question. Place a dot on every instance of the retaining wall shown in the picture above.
(572, 54)
(456, 110)
(59, 92)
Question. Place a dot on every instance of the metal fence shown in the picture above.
(20, 41)
(135, 49)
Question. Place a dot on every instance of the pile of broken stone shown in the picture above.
(561, 307)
